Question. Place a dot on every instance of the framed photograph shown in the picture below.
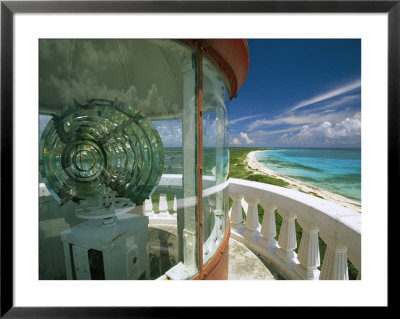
(118, 111)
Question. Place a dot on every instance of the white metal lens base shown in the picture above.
(99, 213)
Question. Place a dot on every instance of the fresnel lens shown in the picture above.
(103, 155)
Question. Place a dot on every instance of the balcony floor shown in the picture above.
(246, 265)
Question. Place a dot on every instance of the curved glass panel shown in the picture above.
(118, 168)
(215, 159)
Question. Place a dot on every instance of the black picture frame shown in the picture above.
(9, 8)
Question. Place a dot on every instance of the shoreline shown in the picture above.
(253, 164)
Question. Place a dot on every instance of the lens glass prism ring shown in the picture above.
(134, 157)
(102, 153)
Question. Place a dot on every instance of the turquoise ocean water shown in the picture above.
(335, 170)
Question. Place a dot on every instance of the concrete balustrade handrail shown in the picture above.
(337, 224)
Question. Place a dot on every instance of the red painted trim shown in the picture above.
(217, 267)
(230, 56)
(200, 157)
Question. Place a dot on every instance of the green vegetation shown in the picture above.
(239, 169)
(311, 193)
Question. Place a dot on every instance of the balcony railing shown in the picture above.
(337, 226)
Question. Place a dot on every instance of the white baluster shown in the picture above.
(334, 266)
(175, 206)
(252, 222)
(308, 252)
(163, 206)
(148, 207)
(268, 227)
(287, 236)
(189, 255)
(236, 210)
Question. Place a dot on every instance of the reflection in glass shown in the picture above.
(100, 147)
(215, 160)
(119, 128)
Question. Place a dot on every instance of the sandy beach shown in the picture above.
(253, 164)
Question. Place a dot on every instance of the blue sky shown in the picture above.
(304, 93)
(298, 93)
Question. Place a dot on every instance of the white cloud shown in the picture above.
(210, 130)
(300, 119)
(264, 133)
(346, 131)
(241, 139)
(332, 111)
(330, 120)
(344, 89)
(357, 116)
(170, 132)
(90, 77)
(235, 141)
(243, 118)
(332, 105)
(246, 139)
